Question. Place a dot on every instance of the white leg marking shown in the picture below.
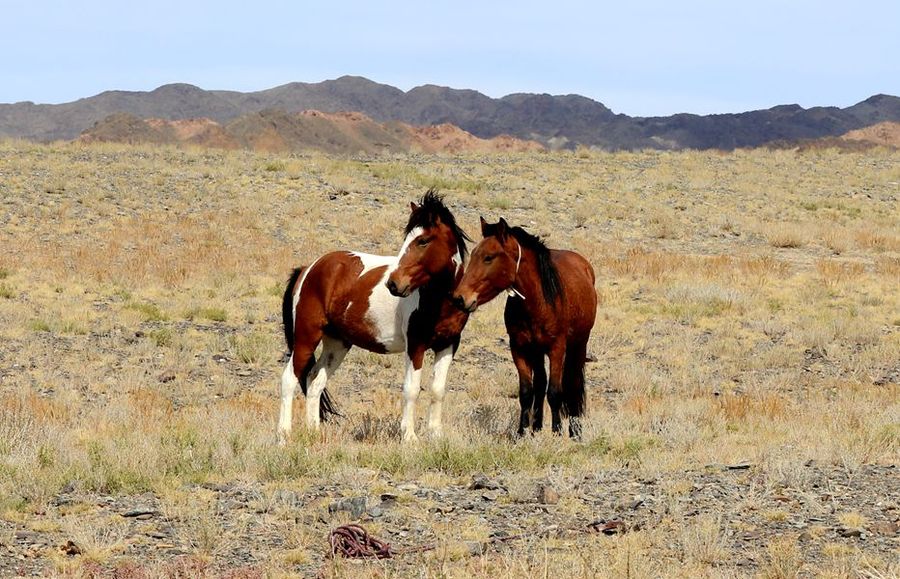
(442, 362)
(411, 386)
(333, 352)
(289, 385)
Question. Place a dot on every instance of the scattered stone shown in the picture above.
(220, 358)
(140, 513)
(614, 527)
(547, 496)
(167, 376)
(70, 549)
(356, 506)
(850, 532)
(481, 482)
(287, 498)
(475, 548)
(739, 466)
(885, 529)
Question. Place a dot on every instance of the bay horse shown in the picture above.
(550, 312)
(384, 304)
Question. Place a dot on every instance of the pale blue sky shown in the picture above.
(638, 57)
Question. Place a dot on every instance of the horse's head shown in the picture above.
(492, 267)
(434, 248)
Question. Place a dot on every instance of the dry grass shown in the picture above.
(748, 312)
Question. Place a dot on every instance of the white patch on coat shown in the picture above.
(388, 315)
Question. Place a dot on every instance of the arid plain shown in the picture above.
(744, 417)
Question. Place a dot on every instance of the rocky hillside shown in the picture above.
(274, 130)
(556, 121)
(885, 134)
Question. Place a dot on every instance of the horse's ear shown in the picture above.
(484, 227)
(413, 206)
(502, 228)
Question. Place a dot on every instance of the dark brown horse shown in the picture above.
(385, 304)
(550, 312)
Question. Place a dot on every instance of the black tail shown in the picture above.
(574, 397)
(326, 406)
(287, 312)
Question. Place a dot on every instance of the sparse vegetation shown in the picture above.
(743, 402)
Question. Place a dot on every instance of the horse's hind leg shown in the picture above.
(522, 360)
(555, 387)
(540, 392)
(297, 368)
(333, 352)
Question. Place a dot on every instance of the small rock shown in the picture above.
(739, 466)
(850, 533)
(356, 506)
(885, 529)
(475, 548)
(286, 497)
(167, 376)
(141, 513)
(608, 527)
(547, 496)
(481, 482)
(219, 358)
(70, 548)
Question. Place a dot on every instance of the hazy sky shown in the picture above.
(639, 57)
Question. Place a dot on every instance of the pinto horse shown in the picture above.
(384, 304)
(550, 312)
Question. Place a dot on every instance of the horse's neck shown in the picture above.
(528, 282)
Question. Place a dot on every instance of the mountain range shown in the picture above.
(554, 121)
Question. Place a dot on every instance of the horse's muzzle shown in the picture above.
(460, 303)
(396, 291)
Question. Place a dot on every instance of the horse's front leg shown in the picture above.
(442, 362)
(411, 386)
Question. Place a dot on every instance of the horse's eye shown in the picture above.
(488, 258)
(423, 241)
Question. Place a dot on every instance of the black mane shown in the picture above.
(547, 272)
(430, 210)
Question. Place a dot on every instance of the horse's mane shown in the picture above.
(427, 214)
(547, 272)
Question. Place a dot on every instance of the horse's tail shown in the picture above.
(574, 396)
(326, 406)
(287, 312)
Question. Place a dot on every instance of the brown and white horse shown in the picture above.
(384, 304)
(550, 312)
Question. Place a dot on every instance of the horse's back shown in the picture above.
(345, 290)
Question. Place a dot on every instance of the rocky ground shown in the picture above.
(406, 513)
